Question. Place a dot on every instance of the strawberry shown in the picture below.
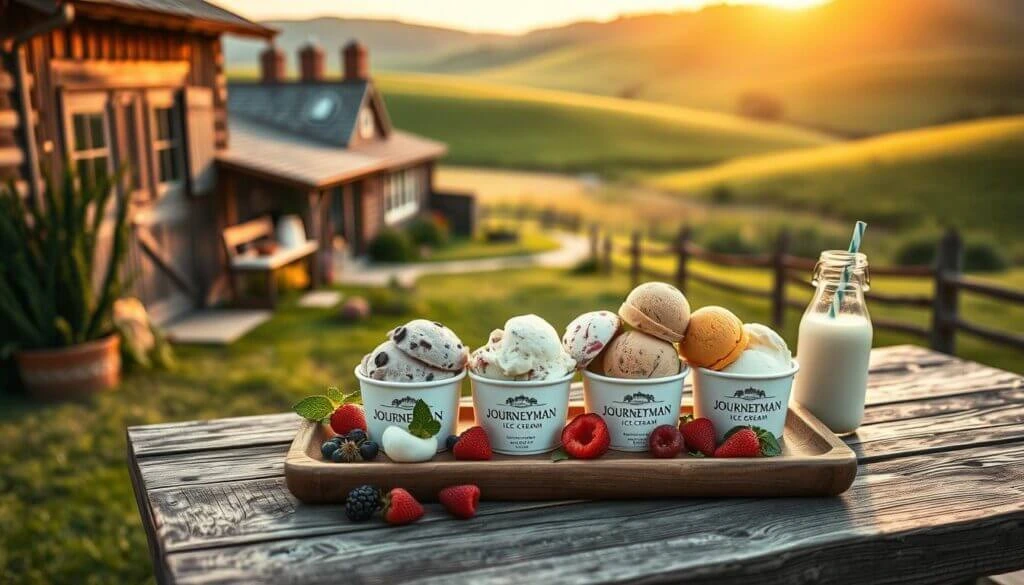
(586, 437)
(699, 436)
(399, 507)
(347, 417)
(460, 500)
(473, 445)
(740, 442)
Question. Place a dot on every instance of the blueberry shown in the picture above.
(356, 435)
(328, 449)
(368, 450)
(337, 439)
(338, 456)
(449, 443)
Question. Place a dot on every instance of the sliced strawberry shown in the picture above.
(460, 500)
(586, 437)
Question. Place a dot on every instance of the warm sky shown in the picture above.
(509, 16)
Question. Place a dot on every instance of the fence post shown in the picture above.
(682, 238)
(606, 267)
(779, 281)
(948, 262)
(634, 257)
(595, 241)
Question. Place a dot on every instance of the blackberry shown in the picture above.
(356, 436)
(449, 443)
(368, 450)
(362, 502)
(328, 449)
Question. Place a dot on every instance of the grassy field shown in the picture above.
(54, 531)
(496, 125)
(969, 175)
(531, 241)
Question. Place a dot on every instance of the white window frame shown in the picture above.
(86, 104)
(402, 194)
(158, 100)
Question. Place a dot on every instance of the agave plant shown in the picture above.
(48, 257)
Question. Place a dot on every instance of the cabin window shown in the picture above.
(367, 127)
(167, 144)
(403, 191)
(90, 151)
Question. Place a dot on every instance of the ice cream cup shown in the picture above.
(731, 400)
(521, 418)
(633, 407)
(391, 403)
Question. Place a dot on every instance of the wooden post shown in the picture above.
(682, 239)
(595, 241)
(779, 282)
(607, 265)
(635, 252)
(948, 263)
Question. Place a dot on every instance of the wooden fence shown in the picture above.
(947, 277)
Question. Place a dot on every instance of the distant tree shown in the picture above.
(761, 106)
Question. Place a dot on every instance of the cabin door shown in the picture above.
(140, 131)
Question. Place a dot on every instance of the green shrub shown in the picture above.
(426, 230)
(393, 301)
(726, 240)
(982, 254)
(722, 195)
(586, 266)
(916, 249)
(392, 245)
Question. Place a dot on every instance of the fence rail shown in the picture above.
(947, 277)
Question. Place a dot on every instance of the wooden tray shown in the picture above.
(814, 462)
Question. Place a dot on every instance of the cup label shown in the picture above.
(521, 423)
(747, 406)
(399, 410)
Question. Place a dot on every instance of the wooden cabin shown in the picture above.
(140, 85)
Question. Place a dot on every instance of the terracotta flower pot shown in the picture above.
(67, 372)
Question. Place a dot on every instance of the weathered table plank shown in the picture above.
(218, 513)
(664, 540)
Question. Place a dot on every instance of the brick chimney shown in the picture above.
(272, 67)
(311, 62)
(356, 60)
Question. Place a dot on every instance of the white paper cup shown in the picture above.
(390, 404)
(632, 408)
(521, 418)
(731, 400)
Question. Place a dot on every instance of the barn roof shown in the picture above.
(269, 152)
(325, 112)
(185, 14)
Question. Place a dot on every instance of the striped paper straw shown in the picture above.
(837, 300)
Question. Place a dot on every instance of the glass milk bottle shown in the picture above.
(833, 349)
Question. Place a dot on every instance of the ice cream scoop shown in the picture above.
(714, 338)
(588, 335)
(389, 363)
(635, 354)
(528, 348)
(766, 353)
(431, 343)
(657, 308)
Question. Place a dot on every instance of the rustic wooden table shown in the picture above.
(939, 498)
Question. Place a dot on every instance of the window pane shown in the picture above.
(81, 137)
(84, 169)
(165, 123)
(99, 137)
(164, 156)
(131, 149)
(99, 166)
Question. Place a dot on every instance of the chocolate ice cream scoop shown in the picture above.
(657, 308)
(635, 354)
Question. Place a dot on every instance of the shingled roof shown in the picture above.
(197, 14)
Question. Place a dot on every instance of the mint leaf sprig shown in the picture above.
(423, 424)
(319, 407)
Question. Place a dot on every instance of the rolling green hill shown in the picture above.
(968, 175)
(495, 125)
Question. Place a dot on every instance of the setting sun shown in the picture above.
(791, 4)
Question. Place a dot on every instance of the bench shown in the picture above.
(241, 245)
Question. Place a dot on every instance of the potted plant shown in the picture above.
(56, 291)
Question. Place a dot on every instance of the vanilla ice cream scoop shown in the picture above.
(528, 348)
(766, 353)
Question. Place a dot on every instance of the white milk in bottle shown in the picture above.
(833, 347)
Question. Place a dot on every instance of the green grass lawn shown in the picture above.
(531, 241)
(67, 511)
(487, 124)
(969, 175)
